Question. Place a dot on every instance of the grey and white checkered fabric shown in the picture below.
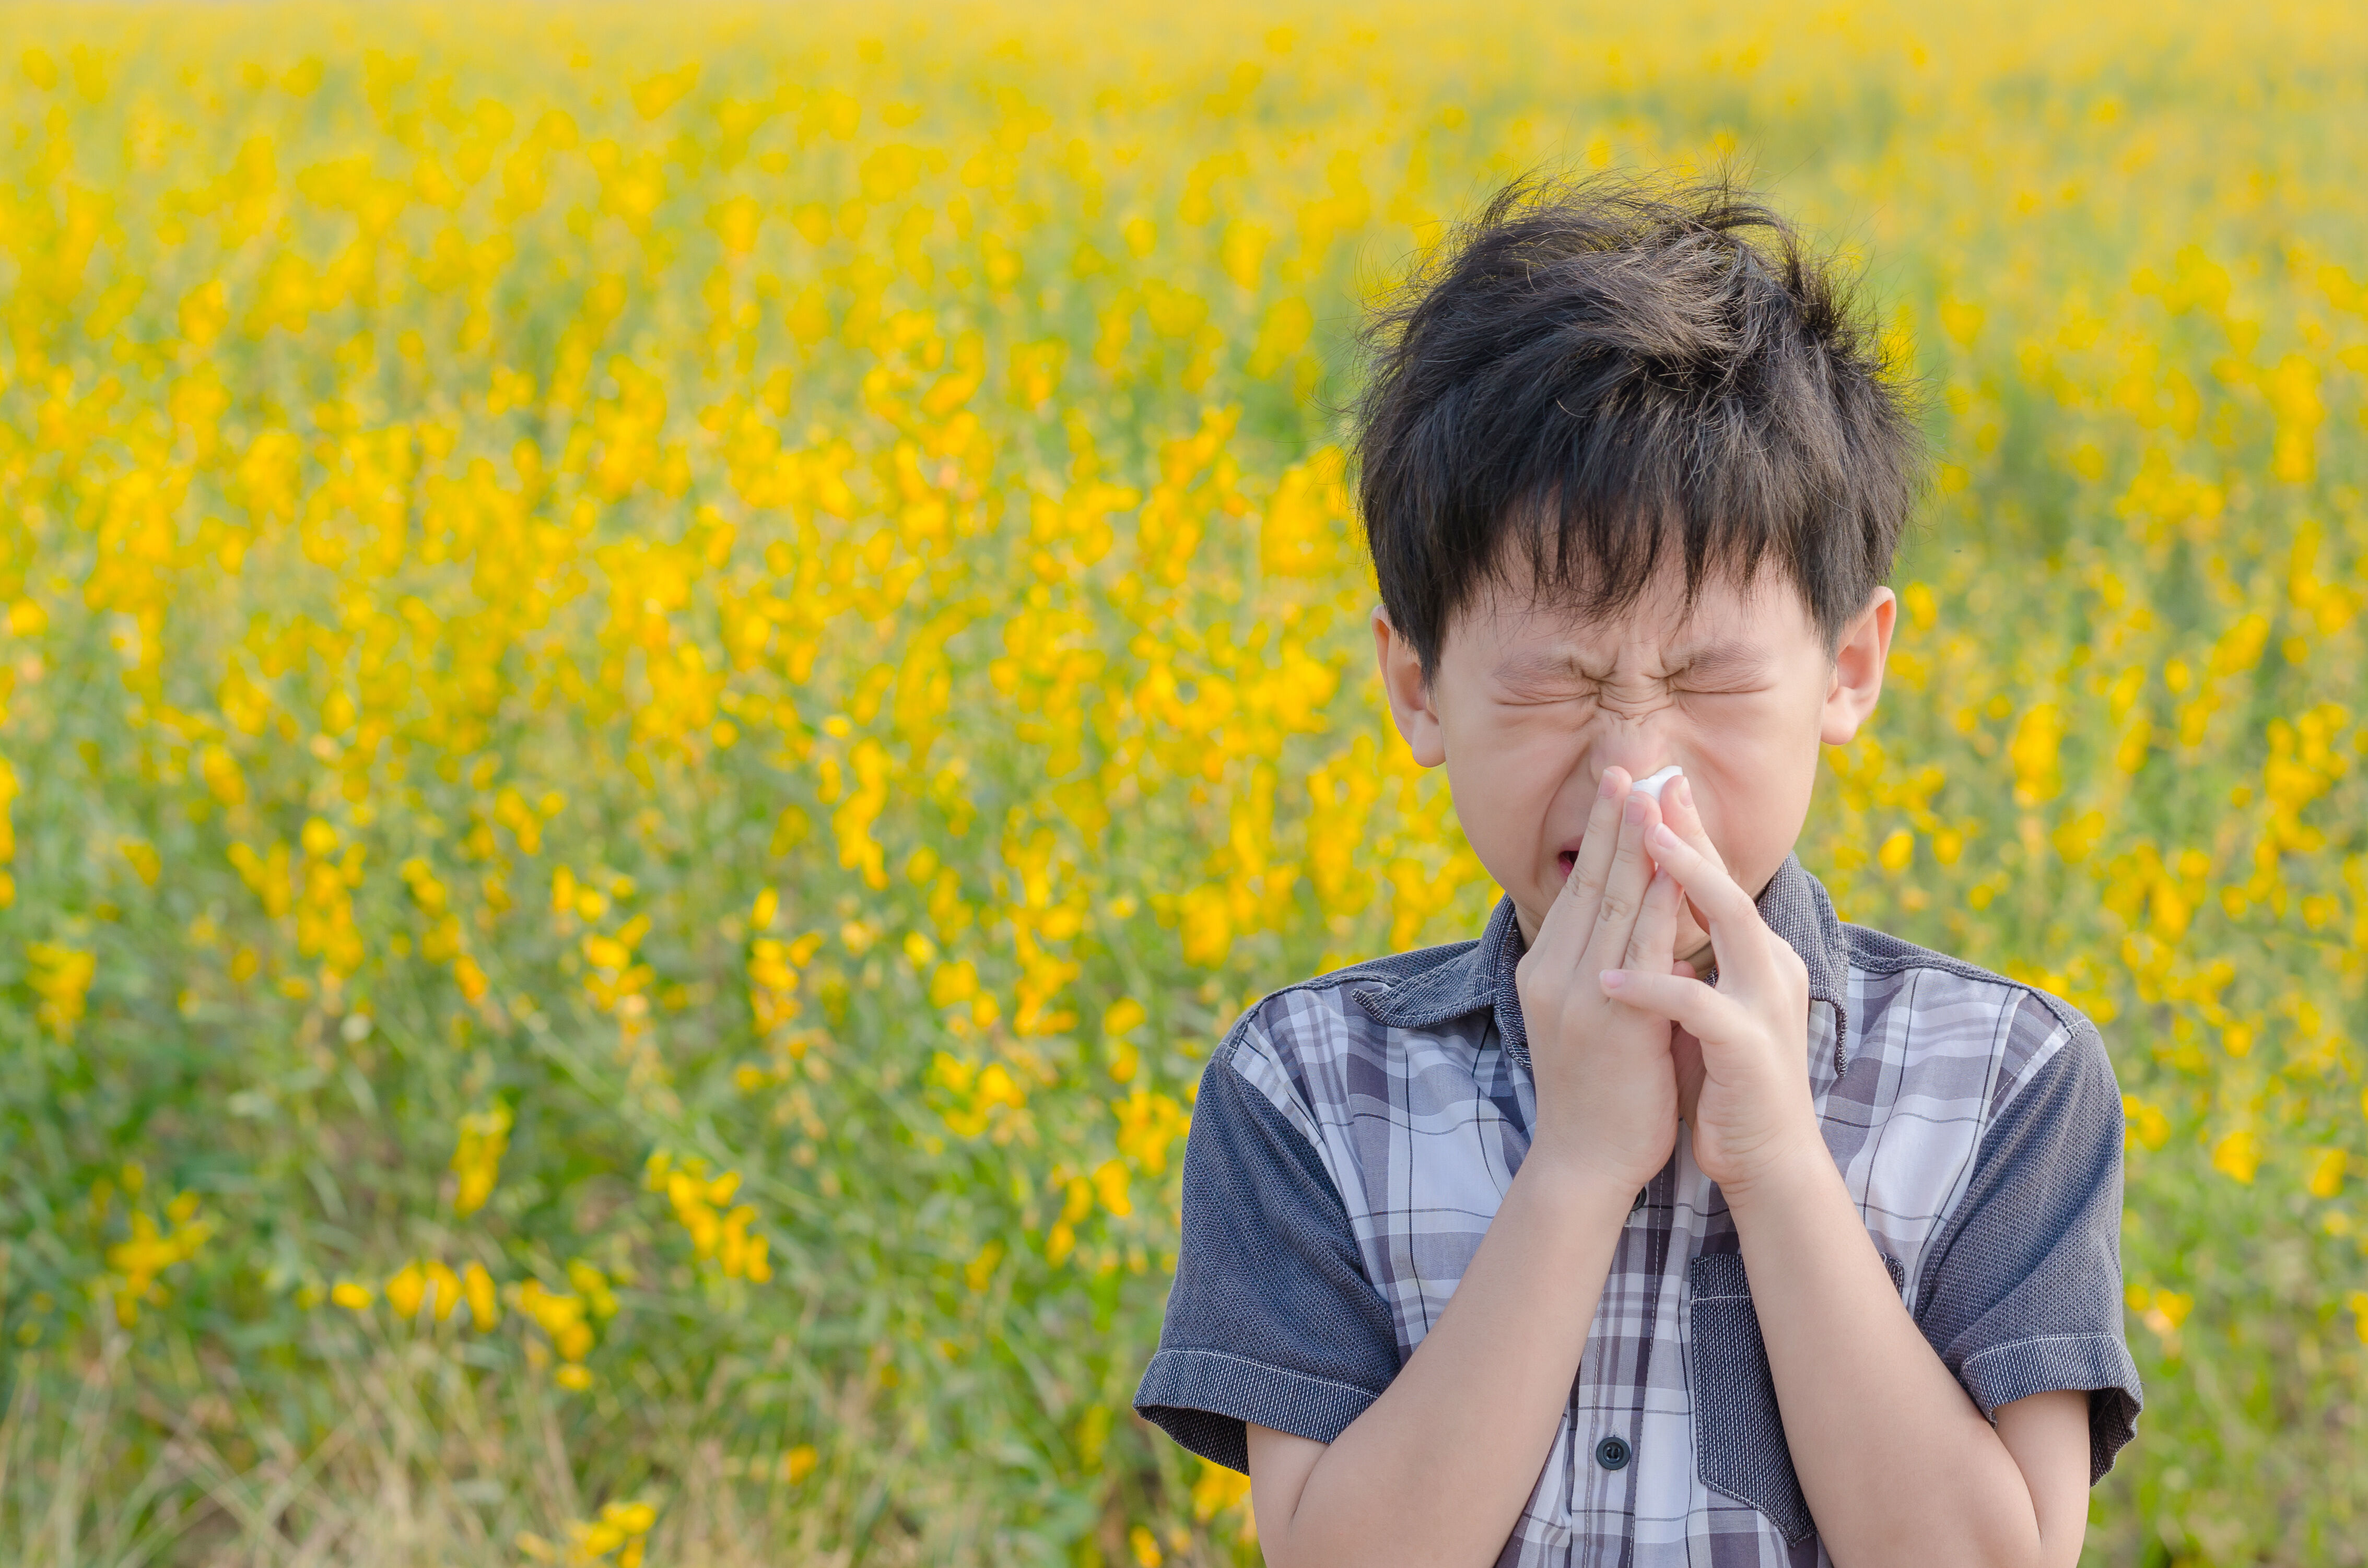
(1355, 1135)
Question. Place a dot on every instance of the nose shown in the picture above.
(1638, 748)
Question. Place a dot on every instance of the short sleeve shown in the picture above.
(1271, 1318)
(2023, 1291)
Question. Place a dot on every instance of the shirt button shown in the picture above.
(1613, 1453)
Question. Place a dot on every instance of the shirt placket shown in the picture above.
(1606, 1422)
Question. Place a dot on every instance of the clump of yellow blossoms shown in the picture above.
(620, 1528)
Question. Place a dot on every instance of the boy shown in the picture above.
(1672, 1220)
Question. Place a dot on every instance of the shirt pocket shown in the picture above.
(1740, 1444)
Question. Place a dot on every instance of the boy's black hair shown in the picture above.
(1596, 371)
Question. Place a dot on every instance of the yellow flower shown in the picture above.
(477, 1157)
(477, 1289)
(2238, 1155)
(1148, 1122)
(1110, 1180)
(405, 1290)
(60, 977)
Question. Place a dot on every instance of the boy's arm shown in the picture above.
(1896, 1462)
(1894, 1458)
(1437, 1469)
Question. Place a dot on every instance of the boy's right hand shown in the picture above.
(1606, 1086)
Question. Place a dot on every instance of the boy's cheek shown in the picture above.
(1753, 802)
(1503, 797)
(1508, 855)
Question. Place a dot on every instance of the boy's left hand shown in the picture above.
(1749, 1103)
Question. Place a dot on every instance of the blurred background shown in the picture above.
(666, 673)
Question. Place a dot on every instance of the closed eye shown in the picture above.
(1546, 697)
(1721, 669)
(1722, 688)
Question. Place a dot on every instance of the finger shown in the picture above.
(1692, 1005)
(1736, 932)
(1563, 934)
(1677, 809)
(1623, 900)
(1651, 945)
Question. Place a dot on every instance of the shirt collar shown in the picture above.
(1794, 905)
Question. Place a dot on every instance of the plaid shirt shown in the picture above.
(1354, 1135)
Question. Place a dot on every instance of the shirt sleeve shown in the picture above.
(1271, 1318)
(2024, 1292)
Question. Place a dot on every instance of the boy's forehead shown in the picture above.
(1512, 613)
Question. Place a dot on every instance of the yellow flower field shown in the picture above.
(664, 673)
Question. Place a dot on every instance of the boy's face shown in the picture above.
(1531, 703)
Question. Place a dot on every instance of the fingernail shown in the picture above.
(1634, 809)
(1607, 788)
(1685, 789)
(1613, 979)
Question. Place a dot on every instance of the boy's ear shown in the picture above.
(1409, 693)
(1859, 659)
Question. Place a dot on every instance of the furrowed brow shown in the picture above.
(1521, 669)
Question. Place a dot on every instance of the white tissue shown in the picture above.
(1653, 786)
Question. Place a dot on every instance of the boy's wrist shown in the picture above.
(1798, 1171)
(1569, 1178)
